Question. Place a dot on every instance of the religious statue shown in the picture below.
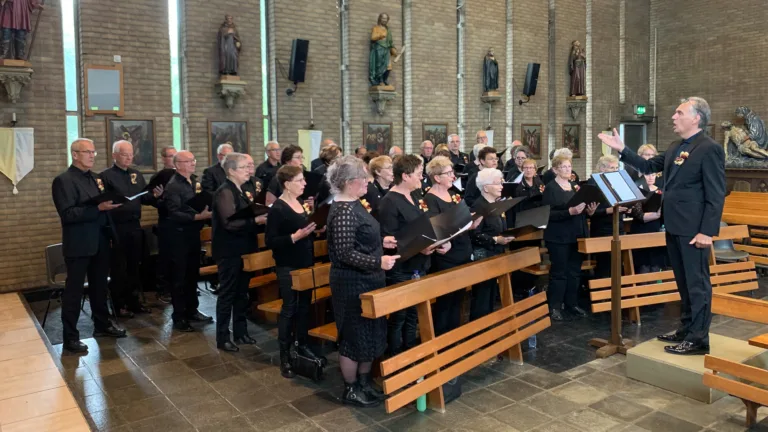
(755, 126)
(382, 48)
(578, 67)
(744, 144)
(490, 73)
(229, 47)
(15, 26)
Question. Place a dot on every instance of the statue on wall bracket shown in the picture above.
(15, 69)
(230, 87)
(380, 64)
(577, 63)
(490, 74)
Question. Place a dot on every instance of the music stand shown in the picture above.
(618, 189)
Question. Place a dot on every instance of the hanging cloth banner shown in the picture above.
(17, 153)
(309, 141)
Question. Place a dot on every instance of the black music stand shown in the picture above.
(618, 189)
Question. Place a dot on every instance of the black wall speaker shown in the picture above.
(531, 79)
(299, 51)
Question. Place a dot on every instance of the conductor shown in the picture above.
(694, 193)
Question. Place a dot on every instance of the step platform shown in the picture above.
(649, 363)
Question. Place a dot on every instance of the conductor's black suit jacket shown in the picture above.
(694, 192)
(81, 223)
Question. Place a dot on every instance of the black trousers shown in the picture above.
(691, 268)
(183, 269)
(96, 268)
(162, 278)
(293, 322)
(232, 301)
(125, 266)
(446, 312)
(402, 325)
(564, 274)
(483, 298)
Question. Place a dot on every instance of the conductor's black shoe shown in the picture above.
(672, 337)
(577, 311)
(227, 346)
(556, 315)
(183, 326)
(75, 346)
(687, 348)
(110, 331)
(200, 317)
(245, 340)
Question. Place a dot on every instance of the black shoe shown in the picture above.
(245, 340)
(199, 317)
(556, 315)
(369, 388)
(75, 346)
(183, 326)
(110, 331)
(354, 395)
(687, 348)
(674, 337)
(227, 346)
(305, 351)
(577, 311)
(286, 369)
(124, 313)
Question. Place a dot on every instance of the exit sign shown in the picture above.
(639, 110)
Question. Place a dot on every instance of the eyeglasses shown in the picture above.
(194, 161)
(299, 157)
(447, 173)
(274, 150)
(243, 167)
(493, 159)
(250, 165)
(120, 154)
(88, 152)
(520, 158)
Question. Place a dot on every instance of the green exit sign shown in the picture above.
(639, 110)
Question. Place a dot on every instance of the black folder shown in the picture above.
(425, 231)
(201, 201)
(497, 208)
(115, 197)
(541, 169)
(652, 203)
(253, 210)
(586, 194)
(508, 189)
(529, 221)
(314, 182)
(155, 182)
(320, 215)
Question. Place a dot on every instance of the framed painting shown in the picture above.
(571, 138)
(140, 133)
(530, 135)
(377, 137)
(435, 132)
(234, 133)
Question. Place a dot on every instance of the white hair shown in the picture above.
(231, 160)
(222, 147)
(273, 142)
(563, 152)
(74, 146)
(486, 177)
(476, 149)
(117, 144)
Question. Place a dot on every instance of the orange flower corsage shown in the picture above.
(366, 205)
(249, 196)
(423, 205)
(100, 184)
(198, 188)
(576, 187)
(456, 198)
(541, 188)
(573, 177)
(133, 178)
(307, 208)
(258, 186)
(680, 159)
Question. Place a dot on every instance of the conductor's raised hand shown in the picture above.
(108, 205)
(577, 209)
(389, 242)
(303, 232)
(613, 141)
(388, 261)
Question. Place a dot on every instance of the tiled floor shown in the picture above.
(160, 380)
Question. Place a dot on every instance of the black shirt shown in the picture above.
(282, 221)
(490, 227)
(274, 187)
(471, 192)
(213, 177)
(177, 193)
(231, 238)
(316, 163)
(460, 159)
(266, 171)
(395, 212)
(562, 227)
(128, 182)
(164, 176)
(373, 197)
(461, 245)
(80, 222)
(253, 186)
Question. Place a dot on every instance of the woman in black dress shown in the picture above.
(487, 240)
(649, 259)
(291, 156)
(439, 199)
(566, 225)
(290, 236)
(357, 266)
(380, 169)
(399, 207)
(231, 240)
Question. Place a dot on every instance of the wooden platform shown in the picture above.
(33, 394)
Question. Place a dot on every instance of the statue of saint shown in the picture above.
(382, 48)
(229, 47)
(14, 22)
(755, 126)
(578, 66)
(490, 72)
(744, 144)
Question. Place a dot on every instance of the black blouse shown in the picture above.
(461, 246)
(562, 226)
(395, 212)
(353, 238)
(490, 227)
(373, 196)
(231, 238)
(282, 221)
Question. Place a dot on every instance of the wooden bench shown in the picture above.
(759, 255)
(276, 305)
(749, 208)
(441, 359)
(316, 278)
(543, 269)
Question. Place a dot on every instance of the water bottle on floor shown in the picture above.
(532, 339)
(421, 401)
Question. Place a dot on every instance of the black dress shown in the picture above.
(373, 196)
(355, 250)
(483, 294)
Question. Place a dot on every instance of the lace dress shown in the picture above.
(355, 249)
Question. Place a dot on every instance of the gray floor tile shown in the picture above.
(515, 389)
(170, 422)
(579, 393)
(274, 417)
(413, 422)
(206, 413)
(233, 424)
(253, 401)
(520, 417)
(543, 379)
(662, 422)
(485, 401)
(620, 408)
(590, 420)
(145, 408)
(551, 404)
(482, 424)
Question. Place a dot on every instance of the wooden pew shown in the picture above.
(759, 255)
(316, 278)
(441, 359)
(750, 208)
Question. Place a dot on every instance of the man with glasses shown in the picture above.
(481, 139)
(85, 245)
(181, 232)
(214, 176)
(128, 241)
(488, 160)
(162, 178)
(269, 167)
(514, 166)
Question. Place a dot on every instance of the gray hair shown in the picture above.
(486, 177)
(273, 142)
(76, 144)
(700, 107)
(565, 152)
(231, 160)
(523, 149)
(427, 141)
(222, 147)
(343, 170)
(451, 136)
(604, 160)
(476, 149)
(117, 144)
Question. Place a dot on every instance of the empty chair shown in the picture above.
(724, 250)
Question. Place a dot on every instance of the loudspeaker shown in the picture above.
(531, 79)
(299, 51)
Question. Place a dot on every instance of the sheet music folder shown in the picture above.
(314, 181)
(113, 196)
(529, 221)
(320, 215)
(201, 201)
(425, 231)
(497, 207)
(652, 203)
(618, 188)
